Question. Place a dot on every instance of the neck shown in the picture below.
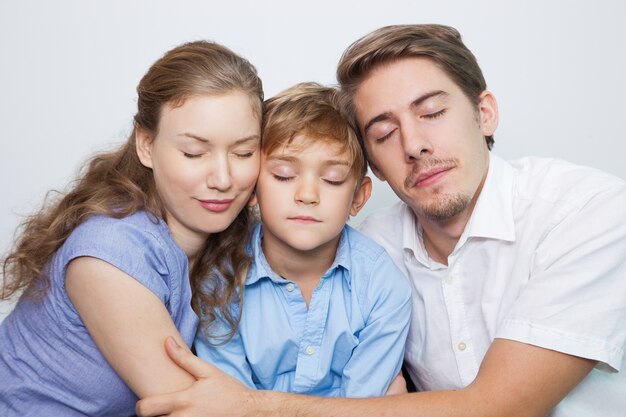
(299, 266)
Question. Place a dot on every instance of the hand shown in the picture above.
(213, 394)
(397, 386)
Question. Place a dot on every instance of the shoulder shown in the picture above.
(556, 180)
(131, 243)
(386, 226)
(372, 269)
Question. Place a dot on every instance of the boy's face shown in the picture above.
(305, 192)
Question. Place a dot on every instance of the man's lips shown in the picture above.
(428, 178)
(217, 205)
(304, 219)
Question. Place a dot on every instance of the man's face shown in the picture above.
(424, 136)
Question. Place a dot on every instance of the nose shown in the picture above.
(307, 191)
(415, 142)
(219, 175)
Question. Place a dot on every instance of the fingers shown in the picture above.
(160, 405)
(187, 360)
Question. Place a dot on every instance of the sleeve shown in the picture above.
(377, 359)
(124, 245)
(575, 299)
(229, 357)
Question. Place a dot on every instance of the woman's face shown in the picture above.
(205, 161)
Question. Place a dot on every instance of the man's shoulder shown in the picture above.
(556, 180)
(386, 224)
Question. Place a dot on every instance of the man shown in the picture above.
(517, 268)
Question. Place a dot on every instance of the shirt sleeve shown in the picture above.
(378, 357)
(575, 299)
(125, 245)
(230, 357)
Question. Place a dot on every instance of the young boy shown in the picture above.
(325, 310)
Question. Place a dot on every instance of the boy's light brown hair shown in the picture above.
(312, 110)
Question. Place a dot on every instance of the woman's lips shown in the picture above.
(216, 206)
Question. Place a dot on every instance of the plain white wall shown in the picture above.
(68, 71)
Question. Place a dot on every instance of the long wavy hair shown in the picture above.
(116, 184)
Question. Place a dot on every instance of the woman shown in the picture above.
(108, 271)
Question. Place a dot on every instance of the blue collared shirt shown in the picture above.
(349, 342)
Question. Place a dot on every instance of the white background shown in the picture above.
(68, 72)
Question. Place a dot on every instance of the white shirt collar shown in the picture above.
(492, 217)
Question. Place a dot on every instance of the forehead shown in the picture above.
(303, 143)
(395, 85)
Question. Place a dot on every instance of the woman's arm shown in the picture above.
(128, 324)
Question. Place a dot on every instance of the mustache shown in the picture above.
(423, 166)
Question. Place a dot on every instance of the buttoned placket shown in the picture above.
(460, 337)
(309, 352)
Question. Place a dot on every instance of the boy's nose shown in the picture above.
(307, 192)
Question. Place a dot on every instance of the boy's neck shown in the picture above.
(305, 268)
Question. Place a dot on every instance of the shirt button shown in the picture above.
(448, 280)
(290, 287)
(310, 350)
(462, 346)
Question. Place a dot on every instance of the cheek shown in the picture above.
(246, 175)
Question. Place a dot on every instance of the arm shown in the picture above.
(128, 323)
(515, 379)
(377, 359)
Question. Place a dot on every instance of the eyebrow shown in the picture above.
(386, 116)
(205, 140)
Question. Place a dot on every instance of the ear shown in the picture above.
(143, 145)
(488, 111)
(252, 200)
(361, 196)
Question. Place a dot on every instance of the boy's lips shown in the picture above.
(304, 219)
(217, 205)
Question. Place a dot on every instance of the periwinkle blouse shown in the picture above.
(49, 365)
(350, 340)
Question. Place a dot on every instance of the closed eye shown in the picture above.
(281, 178)
(384, 138)
(434, 115)
(191, 155)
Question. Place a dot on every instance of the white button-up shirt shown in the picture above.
(542, 261)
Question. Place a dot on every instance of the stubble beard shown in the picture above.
(445, 207)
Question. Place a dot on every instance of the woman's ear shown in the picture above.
(143, 145)
(361, 195)
(252, 200)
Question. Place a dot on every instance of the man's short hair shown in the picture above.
(441, 44)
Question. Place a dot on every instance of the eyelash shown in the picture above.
(430, 116)
(286, 179)
(434, 115)
(239, 155)
(282, 179)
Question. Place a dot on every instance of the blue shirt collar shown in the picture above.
(260, 268)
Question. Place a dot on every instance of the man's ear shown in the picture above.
(361, 195)
(143, 145)
(488, 111)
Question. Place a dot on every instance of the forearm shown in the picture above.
(431, 404)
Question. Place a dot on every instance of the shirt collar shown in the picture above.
(260, 268)
(492, 217)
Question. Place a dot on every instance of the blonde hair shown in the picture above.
(116, 184)
(312, 110)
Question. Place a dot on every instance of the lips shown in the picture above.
(304, 219)
(216, 206)
(427, 177)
